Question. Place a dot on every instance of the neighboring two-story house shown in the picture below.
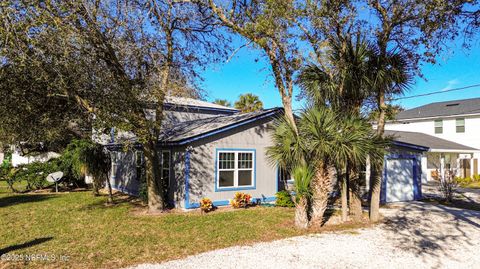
(456, 123)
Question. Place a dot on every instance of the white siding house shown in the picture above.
(457, 121)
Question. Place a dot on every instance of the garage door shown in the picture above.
(399, 180)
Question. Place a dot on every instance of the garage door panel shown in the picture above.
(399, 180)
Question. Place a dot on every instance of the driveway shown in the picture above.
(414, 235)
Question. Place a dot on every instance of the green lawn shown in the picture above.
(81, 228)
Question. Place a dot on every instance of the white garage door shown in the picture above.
(399, 180)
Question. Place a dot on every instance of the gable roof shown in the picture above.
(442, 109)
(189, 131)
(428, 141)
(173, 101)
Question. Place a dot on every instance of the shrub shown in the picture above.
(206, 205)
(33, 173)
(241, 200)
(448, 185)
(284, 199)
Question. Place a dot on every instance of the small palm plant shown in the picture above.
(302, 175)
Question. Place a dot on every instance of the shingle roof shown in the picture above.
(182, 101)
(448, 108)
(195, 128)
(425, 140)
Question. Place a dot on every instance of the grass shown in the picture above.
(90, 234)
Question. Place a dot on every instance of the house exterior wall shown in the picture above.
(469, 138)
(123, 174)
(201, 174)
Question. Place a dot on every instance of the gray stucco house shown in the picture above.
(207, 150)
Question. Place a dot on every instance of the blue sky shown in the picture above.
(248, 72)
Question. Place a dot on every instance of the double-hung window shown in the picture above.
(438, 126)
(235, 169)
(460, 125)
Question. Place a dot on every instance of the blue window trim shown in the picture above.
(417, 182)
(254, 151)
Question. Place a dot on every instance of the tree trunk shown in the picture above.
(376, 179)
(375, 184)
(321, 187)
(301, 213)
(343, 192)
(156, 200)
(95, 187)
(110, 193)
(356, 210)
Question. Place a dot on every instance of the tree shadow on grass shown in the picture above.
(431, 230)
(23, 198)
(27, 244)
(119, 199)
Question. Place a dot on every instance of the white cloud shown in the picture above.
(450, 85)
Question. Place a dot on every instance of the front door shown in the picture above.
(399, 180)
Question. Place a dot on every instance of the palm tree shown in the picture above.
(222, 102)
(303, 175)
(342, 83)
(390, 74)
(248, 103)
(325, 139)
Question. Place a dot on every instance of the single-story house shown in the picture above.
(213, 151)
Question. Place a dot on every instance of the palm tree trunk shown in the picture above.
(321, 188)
(375, 183)
(356, 210)
(344, 199)
(301, 213)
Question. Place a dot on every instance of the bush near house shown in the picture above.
(469, 182)
(284, 199)
(206, 205)
(241, 200)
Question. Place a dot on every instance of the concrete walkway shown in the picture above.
(415, 235)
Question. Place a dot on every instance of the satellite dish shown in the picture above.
(55, 178)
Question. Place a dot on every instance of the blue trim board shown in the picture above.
(223, 129)
(417, 182)
(408, 145)
(218, 189)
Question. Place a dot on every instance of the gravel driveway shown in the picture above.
(415, 235)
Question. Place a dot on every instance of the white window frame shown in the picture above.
(435, 126)
(235, 170)
(456, 125)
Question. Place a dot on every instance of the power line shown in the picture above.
(437, 92)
